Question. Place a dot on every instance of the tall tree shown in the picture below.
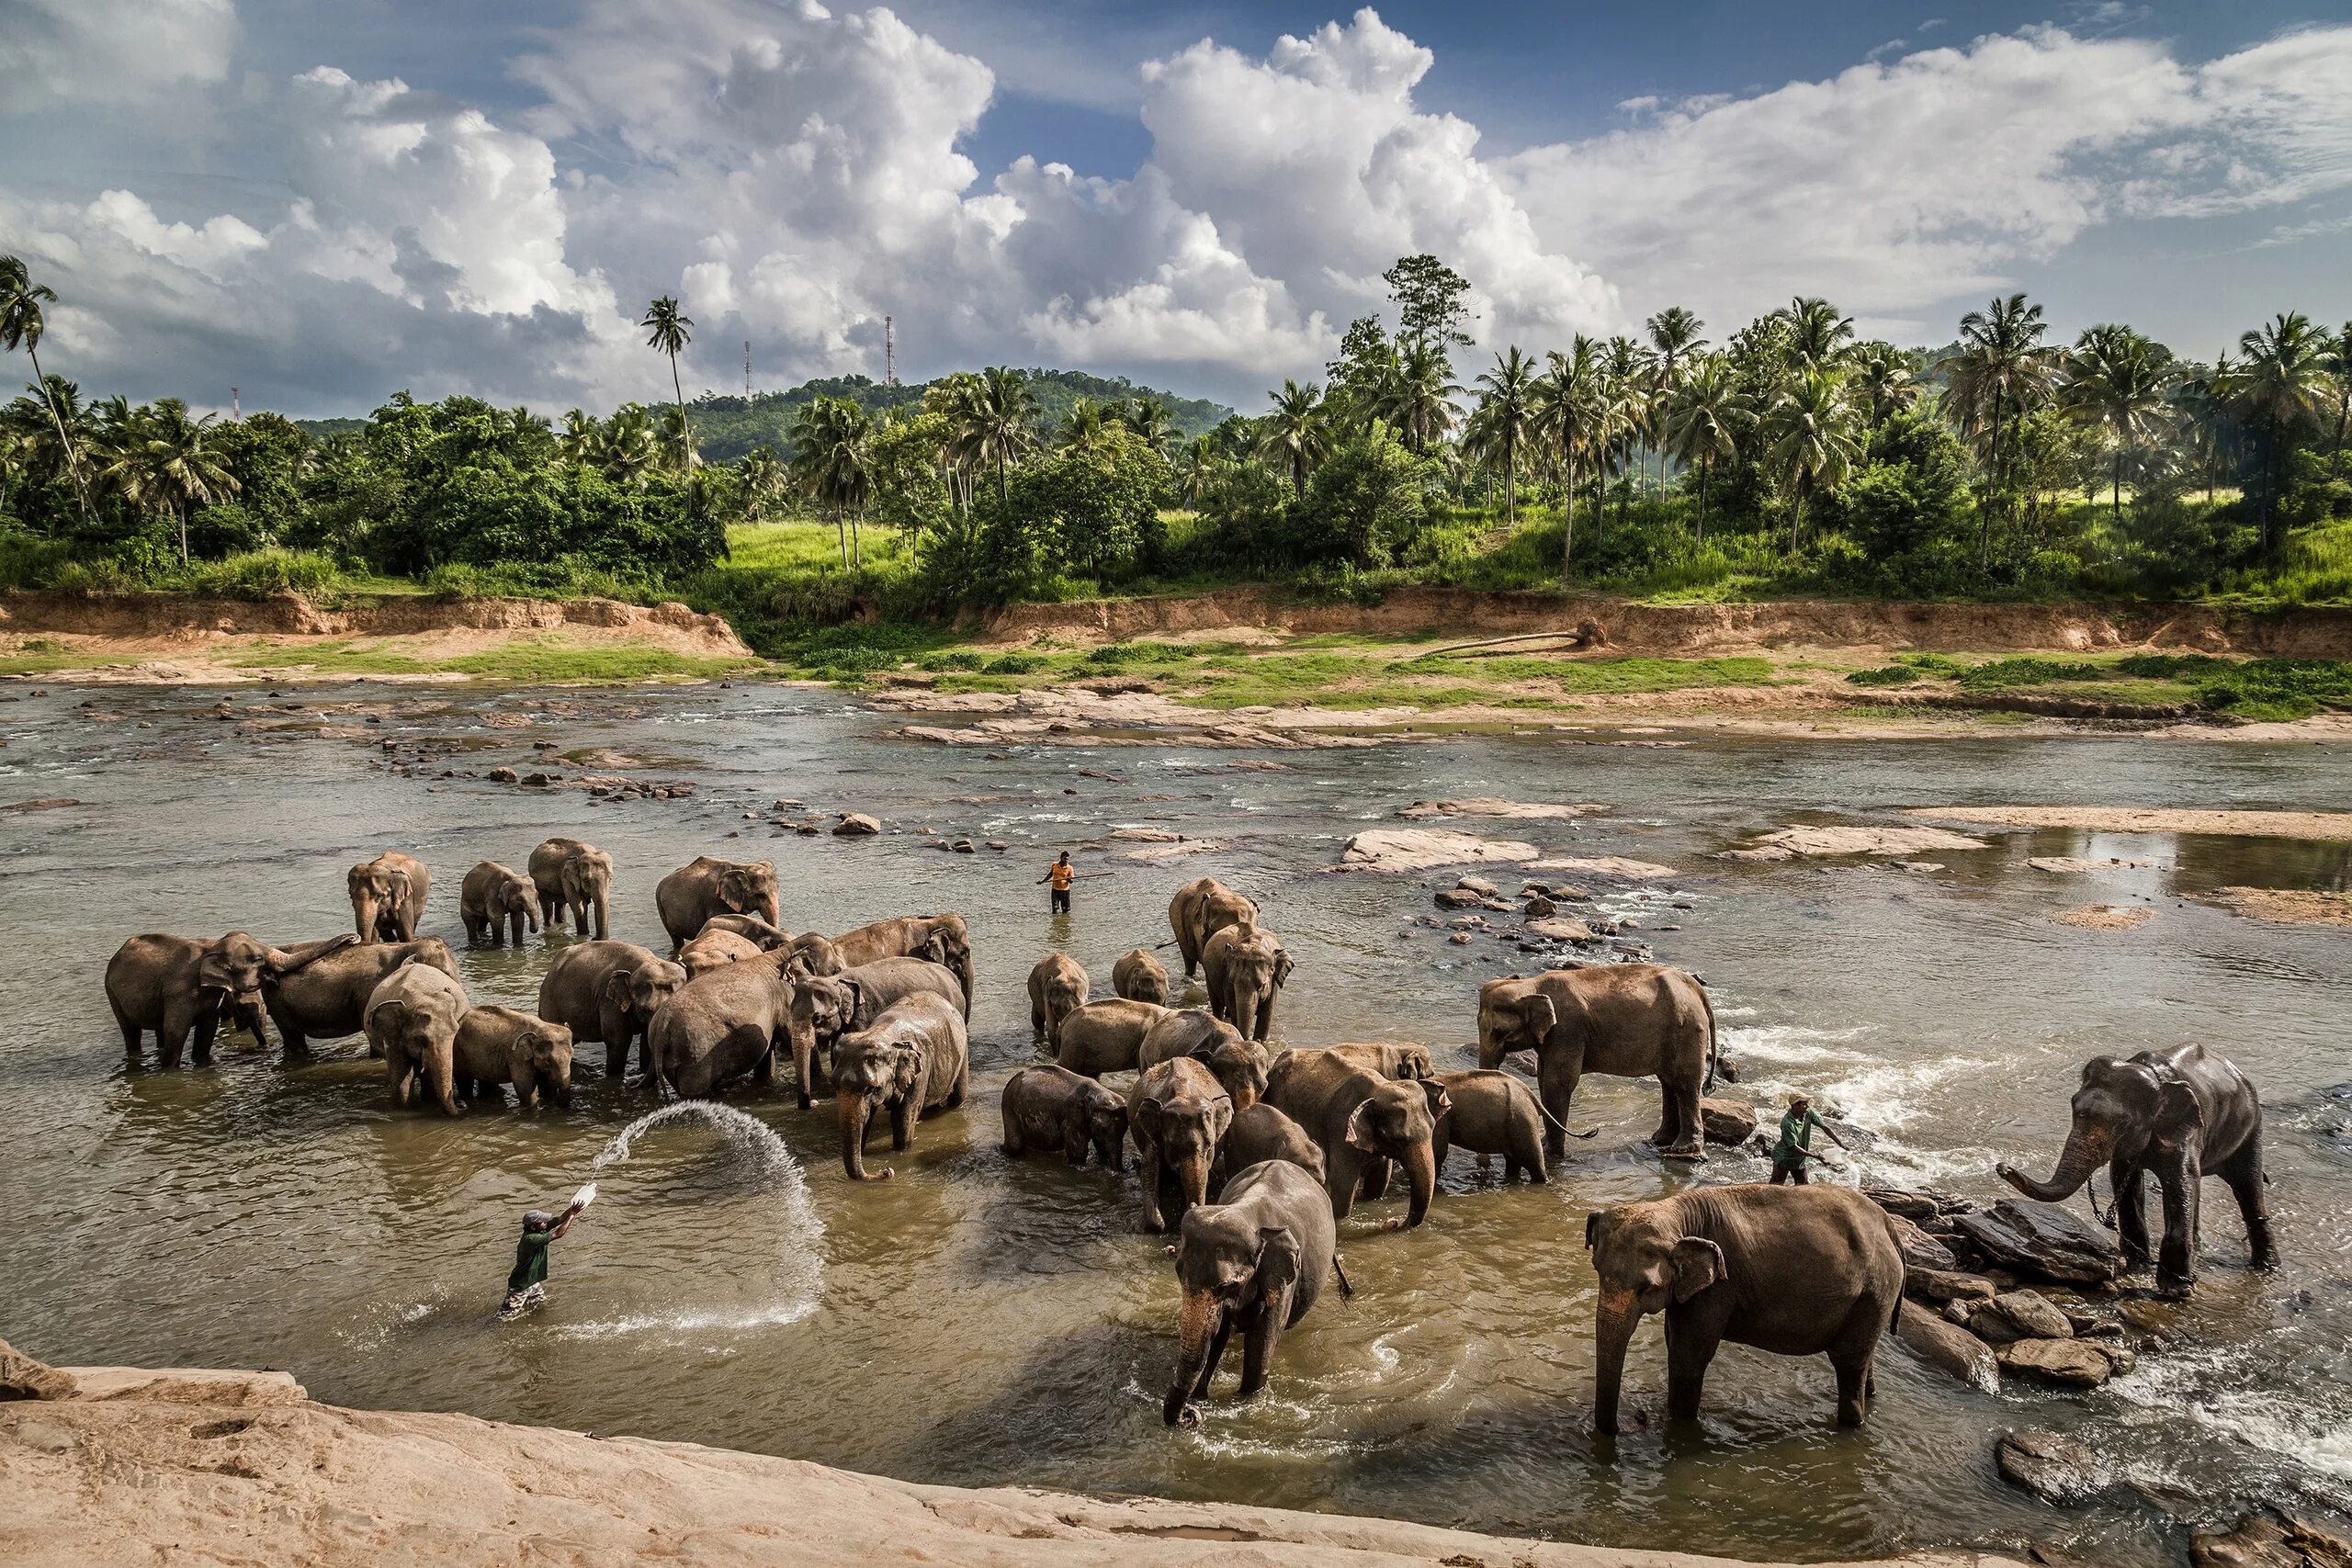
(2338, 362)
(2119, 384)
(1624, 383)
(1566, 421)
(1883, 382)
(1674, 338)
(1294, 432)
(1417, 401)
(762, 477)
(1499, 425)
(2001, 372)
(666, 327)
(1812, 438)
(21, 325)
(832, 462)
(1704, 419)
(1433, 303)
(2282, 387)
(161, 460)
(1000, 422)
(1818, 336)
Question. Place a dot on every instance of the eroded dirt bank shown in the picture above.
(114, 1465)
(2316, 633)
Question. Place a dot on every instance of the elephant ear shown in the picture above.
(1281, 966)
(932, 948)
(1542, 1017)
(2177, 1113)
(212, 969)
(615, 989)
(1278, 1261)
(1594, 1224)
(1146, 1117)
(1359, 1129)
(1697, 1263)
(1439, 1101)
(906, 1067)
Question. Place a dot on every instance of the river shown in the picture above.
(975, 1323)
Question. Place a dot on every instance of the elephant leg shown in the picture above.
(396, 1075)
(1257, 1343)
(1556, 1073)
(2131, 1213)
(1343, 1170)
(2243, 1171)
(171, 1035)
(804, 1062)
(1148, 1162)
(763, 1070)
(1374, 1185)
(208, 1024)
(2177, 1260)
(1689, 1347)
(962, 1086)
(1853, 1388)
(130, 1032)
(903, 1111)
(1439, 1146)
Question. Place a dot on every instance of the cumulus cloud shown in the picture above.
(59, 51)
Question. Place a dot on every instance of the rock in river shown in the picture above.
(855, 825)
(2054, 1469)
(2274, 1539)
(2044, 1240)
(1919, 1249)
(2031, 1314)
(1946, 1285)
(1424, 849)
(1952, 1349)
(1727, 1120)
(2077, 1363)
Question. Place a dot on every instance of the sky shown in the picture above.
(321, 202)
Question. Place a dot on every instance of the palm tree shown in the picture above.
(1811, 430)
(833, 461)
(1195, 468)
(576, 443)
(2338, 364)
(1703, 420)
(667, 332)
(1294, 432)
(998, 421)
(158, 460)
(1623, 371)
(1416, 398)
(1082, 426)
(1674, 337)
(1818, 335)
(21, 325)
(1567, 420)
(2207, 400)
(1150, 418)
(762, 477)
(1499, 426)
(2282, 387)
(626, 448)
(2000, 371)
(2119, 383)
(1883, 382)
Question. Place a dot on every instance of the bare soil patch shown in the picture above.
(2105, 917)
(2333, 827)
(2285, 905)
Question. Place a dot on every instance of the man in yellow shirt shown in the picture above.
(1061, 875)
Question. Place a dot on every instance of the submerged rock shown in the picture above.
(2044, 1241)
(1951, 1349)
(2054, 1469)
(1489, 805)
(2273, 1539)
(1727, 1120)
(2077, 1363)
(1425, 849)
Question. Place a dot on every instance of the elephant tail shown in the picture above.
(1543, 1110)
(1714, 1051)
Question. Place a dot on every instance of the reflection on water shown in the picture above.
(976, 1322)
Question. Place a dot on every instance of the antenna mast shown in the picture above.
(889, 356)
(236, 404)
(747, 370)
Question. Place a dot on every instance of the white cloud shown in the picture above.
(102, 51)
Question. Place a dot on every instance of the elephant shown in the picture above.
(324, 997)
(726, 938)
(1058, 985)
(413, 1021)
(814, 953)
(913, 1059)
(1255, 1261)
(494, 897)
(1387, 1059)
(570, 874)
(1178, 1113)
(1104, 1037)
(608, 991)
(713, 946)
(1246, 966)
(2183, 1116)
(1494, 1113)
(690, 896)
(1361, 1122)
(388, 897)
(942, 939)
(1139, 976)
(498, 1045)
(825, 1007)
(1049, 1108)
(1633, 1020)
(180, 986)
(1239, 1064)
(719, 1026)
(1199, 911)
(1262, 1132)
(1795, 1271)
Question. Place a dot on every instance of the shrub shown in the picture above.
(1885, 675)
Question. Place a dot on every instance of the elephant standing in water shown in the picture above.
(825, 1007)
(1139, 976)
(719, 1026)
(1105, 1036)
(1048, 1108)
(498, 1045)
(178, 986)
(1199, 911)
(943, 939)
(912, 1060)
(608, 991)
(704, 886)
(1239, 1064)
(1633, 1020)
(494, 897)
(1362, 1122)
(412, 1021)
(1256, 1261)
(323, 995)
(2183, 1115)
(1246, 966)
(1795, 1271)
(1178, 1113)
(1058, 985)
(569, 875)
(388, 897)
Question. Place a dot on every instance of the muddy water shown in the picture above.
(974, 1323)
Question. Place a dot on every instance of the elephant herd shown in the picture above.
(1289, 1141)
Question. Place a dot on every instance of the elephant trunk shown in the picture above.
(1612, 1329)
(1490, 1054)
(1196, 1327)
(363, 915)
(855, 1111)
(1193, 1177)
(1420, 1171)
(2086, 1150)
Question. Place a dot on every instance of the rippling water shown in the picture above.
(974, 1323)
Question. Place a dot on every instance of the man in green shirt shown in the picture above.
(526, 1286)
(1795, 1148)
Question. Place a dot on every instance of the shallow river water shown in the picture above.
(973, 1322)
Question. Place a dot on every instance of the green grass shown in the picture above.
(532, 663)
(1599, 676)
(1885, 675)
(2254, 689)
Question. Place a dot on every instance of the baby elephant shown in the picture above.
(1262, 1132)
(1493, 1113)
(1049, 1108)
(1795, 1271)
(1139, 976)
(1058, 985)
(1239, 1064)
(913, 1059)
(1179, 1113)
(1255, 1261)
(494, 897)
(498, 1045)
(412, 1018)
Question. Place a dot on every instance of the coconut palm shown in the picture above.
(762, 477)
(832, 464)
(157, 459)
(1818, 336)
(666, 330)
(576, 441)
(1195, 468)
(1883, 383)
(2206, 400)
(1294, 432)
(1082, 426)
(2282, 388)
(998, 421)
(2338, 362)
(1704, 419)
(1150, 418)
(1624, 376)
(1499, 426)
(1417, 396)
(2119, 384)
(1674, 338)
(1812, 439)
(21, 325)
(1566, 418)
(2000, 373)
(625, 448)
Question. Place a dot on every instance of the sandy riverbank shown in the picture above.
(120, 1465)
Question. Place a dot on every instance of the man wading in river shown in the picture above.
(1795, 1148)
(1061, 875)
(526, 1286)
